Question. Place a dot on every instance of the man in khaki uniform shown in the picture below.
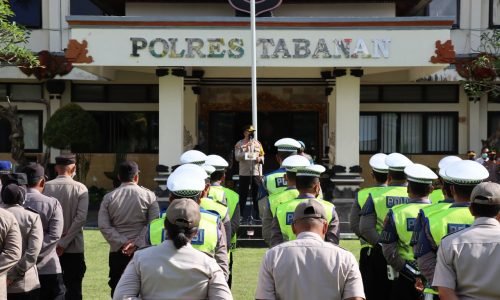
(309, 267)
(51, 215)
(74, 199)
(467, 260)
(22, 279)
(10, 247)
(123, 219)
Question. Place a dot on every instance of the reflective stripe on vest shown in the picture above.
(211, 205)
(232, 202)
(449, 221)
(285, 212)
(275, 183)
(216, 193)
(436, 196)
(205, 240)
(405, 216)
(276, 199)
(385, 198)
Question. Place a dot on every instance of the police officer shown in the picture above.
(188, 181)
(372, 218)
(398, 228)
(74, 199)
(10, 248)
(22, 279)
(464, 175)
(268, 205)
(51, 215)
(308, 184)
(438, 195)
(217, 191)
(379, 174)
(123, 219)
(274, 182)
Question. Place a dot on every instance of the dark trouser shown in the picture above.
(364, 269)
(117, 264)
(244, 185)
(403, 288)
(230, 278)
(31, 295)
(73, 266)
(52, 287)
(379, 286)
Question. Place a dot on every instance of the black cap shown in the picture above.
(13, 194)
(127, 169)
(67, 159)
(34, 172)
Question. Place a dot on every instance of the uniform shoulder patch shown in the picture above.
(32, 210)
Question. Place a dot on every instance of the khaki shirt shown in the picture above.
(468, 261)
(10, 247)
(164, 272)
(125, 214)
(309, 268)
(246, 166)
(74, 199)
(24, 274)
(51, 215)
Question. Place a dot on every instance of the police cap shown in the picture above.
(184, 213)
(466, 172)
(420, 173)
(292, 163)
(218, 162)
(66, 159)
(193, 157)
(287, 145)
(187, 180)
(397, 161)
(444, 163)
(377, 163)
(311, 171)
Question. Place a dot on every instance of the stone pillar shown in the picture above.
(171, 110)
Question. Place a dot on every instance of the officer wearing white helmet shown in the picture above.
(188, 181)
(398, 228)
(372, 217)
(193, 157)
(463, 176)
(369, 274)
(268, 205)
(308, 185)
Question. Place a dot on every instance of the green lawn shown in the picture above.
(245, 268)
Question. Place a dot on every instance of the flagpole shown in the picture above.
(254, 66)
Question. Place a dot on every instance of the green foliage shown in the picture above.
(13, 38)
(71, 128)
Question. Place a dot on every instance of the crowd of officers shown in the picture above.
(417, 241)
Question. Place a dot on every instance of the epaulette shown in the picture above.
(146, 188)
(32, 210)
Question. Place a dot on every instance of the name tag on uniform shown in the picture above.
(391, 201)
(410, 224)
(199, 239)
(280, 182)
(452, 228)
(289, 218)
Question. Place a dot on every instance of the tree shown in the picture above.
(72, 128)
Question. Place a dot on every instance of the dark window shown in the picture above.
(494, 129)
(84, 7)
(442, 93)
(445, 8)
(411, 133)
(116, 93)
(32, 125)
(494, 14)
(128, 132)
(27, 12)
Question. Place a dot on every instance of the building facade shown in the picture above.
(349, 78)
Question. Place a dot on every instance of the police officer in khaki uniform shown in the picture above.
(10, 247)
(51, 215)
(22, 279)
(74, 199)
(123, 219)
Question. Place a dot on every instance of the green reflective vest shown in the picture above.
(217, 193)
(362, 197)
(385, 198)
(436, 196)
(205, 240)
(276, 199)
(275, 182)
(285, 212)
(449, 221)
(405, 216)
(211, 205)
(232, 202)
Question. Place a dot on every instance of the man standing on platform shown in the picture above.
(74, 199)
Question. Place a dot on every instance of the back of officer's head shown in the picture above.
(217, 176)
(419, 190)
(35, 174)
(13, 194)
(306, 182)
(291, 175)
(128, 171)
(462, 191)
(380, 177)
(397, 175)
(485, 200)
(182, 221)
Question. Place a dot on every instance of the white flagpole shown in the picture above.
(254, 67)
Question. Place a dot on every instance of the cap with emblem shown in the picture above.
(217, 162)
(486, 193)
(397, 161)
(312, 171)
(287, 145)
(446, 162)
(420, 173)
(466, 172)
(377, 163)
(309, 209)
(294, 162)
(187, 180)
(128, 168)
(193, 157)
(5, 167)
(184, 213)
(249, 128)
(65, 160)
(208, 168)
(34, 172)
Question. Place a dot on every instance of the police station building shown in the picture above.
(349, 78)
